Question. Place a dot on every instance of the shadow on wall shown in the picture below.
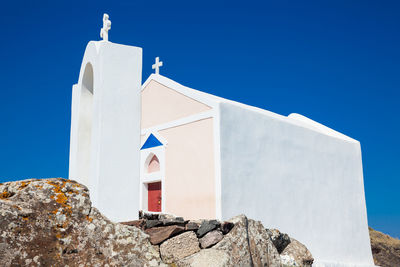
(85, 124)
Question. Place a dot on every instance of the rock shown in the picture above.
(192, 226)
(385, 249)
(235, 244)
(148, 216)
(159, 234)
(288, 261)
(226, 227)
(210, 239)
(207, 226)
(173, 221)
(248, 244)
(153, 223)
(279, 239)
(262, 250)
(205, 257)
(298, 253)
(137, 223)
(179, 247)
(51, 222)
(163, 216)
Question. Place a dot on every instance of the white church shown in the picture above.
(160, 146)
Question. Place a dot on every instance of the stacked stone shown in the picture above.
(178, 238)
(238, 242)
(51, 222)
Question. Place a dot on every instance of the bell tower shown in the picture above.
(105, 127)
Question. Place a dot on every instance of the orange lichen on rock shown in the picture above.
(5, 195)
(23, 185)
(60, 197)
(88, 218)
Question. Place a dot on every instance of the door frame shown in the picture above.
(146, 178)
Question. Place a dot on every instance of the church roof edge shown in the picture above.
(214, 101)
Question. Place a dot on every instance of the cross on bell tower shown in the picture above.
(156, 66)
(106, 27)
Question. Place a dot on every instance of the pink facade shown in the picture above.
(188, 178)
(154, 165)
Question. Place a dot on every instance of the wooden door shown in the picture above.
(154, 196)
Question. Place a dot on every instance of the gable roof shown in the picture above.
(213, 101)
(207, 99)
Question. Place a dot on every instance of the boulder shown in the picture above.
(207, 226)
(279, 239)
(248, 244)
(235, 244)
(262, 250)
(204, 258)
(179, 247)
(51, 222)
(159, 234)
(298, 253)
(210, 239)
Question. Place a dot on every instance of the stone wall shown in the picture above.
(51, 222)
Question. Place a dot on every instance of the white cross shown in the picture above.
(106, 27)
(156, 66)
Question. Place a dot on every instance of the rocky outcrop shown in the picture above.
(385, 249)
(296, 254)
(51, 222)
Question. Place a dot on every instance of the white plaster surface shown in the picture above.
(304, 181)
(291, 173)
(113, 173)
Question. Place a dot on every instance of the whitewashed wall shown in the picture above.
(113, 173)
(300, 181)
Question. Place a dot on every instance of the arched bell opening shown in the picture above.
(85, 124)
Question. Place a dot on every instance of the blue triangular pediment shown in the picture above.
(151, 141)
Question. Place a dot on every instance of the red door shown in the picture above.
(154, 196)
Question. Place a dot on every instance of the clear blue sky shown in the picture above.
(337, 62)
